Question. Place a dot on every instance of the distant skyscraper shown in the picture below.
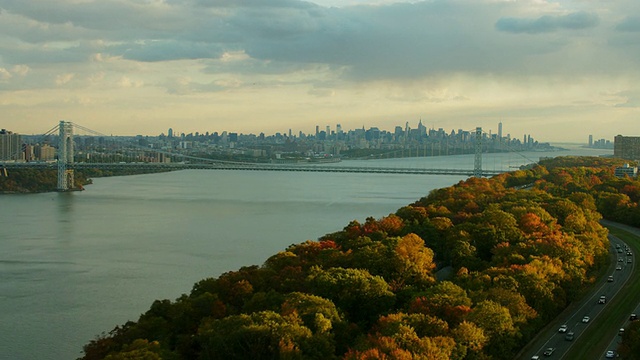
(317, 131)
(339, 129)
(590, 140)
(170, 133)
(500, 130)
(422, 130)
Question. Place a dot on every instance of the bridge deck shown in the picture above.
(254, 167)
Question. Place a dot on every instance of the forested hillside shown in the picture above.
(35, 180)
(471, 271)
(46, 180)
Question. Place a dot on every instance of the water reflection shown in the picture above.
(64, 214)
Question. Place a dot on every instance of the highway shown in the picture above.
(621, 268)
(615, 337)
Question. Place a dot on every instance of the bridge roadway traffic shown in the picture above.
(580, 316)
(255, 167)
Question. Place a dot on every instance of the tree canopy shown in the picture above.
(472, 271)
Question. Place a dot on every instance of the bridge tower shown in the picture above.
(477, 164)
(65, 156)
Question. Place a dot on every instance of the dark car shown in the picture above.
(633, 317)
(569, 336)
(549, 351)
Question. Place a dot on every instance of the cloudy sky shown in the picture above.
(558, 70)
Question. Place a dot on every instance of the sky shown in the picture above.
(557, 70)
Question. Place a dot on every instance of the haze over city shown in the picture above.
(560, 70)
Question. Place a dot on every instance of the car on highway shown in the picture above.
(569, 336)
(549, 351)
(618, 267)
(633, 317)
(535, 357)
(602, 300)
(586, 319)
(629, 261)
(620, 260)
(610, 278)
(620, 251)
(563, 328)
(610, 354)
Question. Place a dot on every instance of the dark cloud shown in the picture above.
(548, 23)
(166, 50)
(630, 24)
(45, 55)
(252, 3)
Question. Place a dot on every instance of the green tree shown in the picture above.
(261, 335)
(362, 296)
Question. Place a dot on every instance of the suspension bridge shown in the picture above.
(141, 157)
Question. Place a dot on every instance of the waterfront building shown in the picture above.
(10, 145)
(626, 147)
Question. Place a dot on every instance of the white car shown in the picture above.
(563, 329)
(586, 319)
(610, 354)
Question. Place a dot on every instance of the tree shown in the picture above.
(261, 335)
(140, 349)
(445, 300)
(469, 338)
(415, 260)
(362, 296)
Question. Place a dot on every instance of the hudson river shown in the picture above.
(73, 265)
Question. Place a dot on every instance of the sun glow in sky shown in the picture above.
(558, 70)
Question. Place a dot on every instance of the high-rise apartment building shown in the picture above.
(10, 145)
(45, 152)
(626, 147)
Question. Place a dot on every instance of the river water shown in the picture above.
(73, 265)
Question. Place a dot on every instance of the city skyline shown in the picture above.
(561, 70)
